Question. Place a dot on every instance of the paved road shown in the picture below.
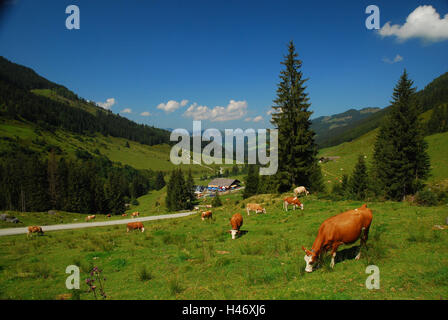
(13, 231)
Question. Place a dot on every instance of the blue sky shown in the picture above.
(219, 60)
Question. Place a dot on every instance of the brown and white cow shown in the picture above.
(109, 215)
(343, 228)
(236, 222)
(34, 229)
(124, 214)
(292, 200)
(134, 226)
(88, 218)
(254, 207)
(300, 190)
(135, 214)
(206, 215)
(208, 205)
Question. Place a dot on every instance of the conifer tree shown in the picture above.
(297, 154)
(400, 153)
(252, 180)
(359, 180)
(160, 181)
(189, 189)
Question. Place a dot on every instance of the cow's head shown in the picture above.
(310, 259)
(233, 233)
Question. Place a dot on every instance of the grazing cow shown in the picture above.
(124, 214)
(254, 207)
(135, 225)
(196, 208)
(300, 190)
(206, 215)
(292, 200)
(343, 228)
(236, 222)
(88, 218)
(208, 205)
(135, 214)
(34, 229)
(109, 215)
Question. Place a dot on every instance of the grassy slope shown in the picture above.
(349, 151)
(139, 156)
(191, 259)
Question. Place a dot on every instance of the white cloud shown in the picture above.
(145, 114)
(248, 119)
(257, 119)
(235, 110)
(397, 58)
(127, 110)
(270, 111)
(108, 104)
(172, 105)
(424, 22)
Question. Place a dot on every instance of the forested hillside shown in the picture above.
(17, 101)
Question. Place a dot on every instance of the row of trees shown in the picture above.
(439, 120)
(28, 183)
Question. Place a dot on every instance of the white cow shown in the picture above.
(300, 190)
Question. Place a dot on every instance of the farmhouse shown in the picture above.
(223, 184)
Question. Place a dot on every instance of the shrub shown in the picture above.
(427, 198)
(216, 202)
(135, 202)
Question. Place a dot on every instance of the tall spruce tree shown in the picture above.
(298, 164)
(359, 180)
(252, 180)
(400, 153)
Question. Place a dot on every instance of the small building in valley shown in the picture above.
(222, 184)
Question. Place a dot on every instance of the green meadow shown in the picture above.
(349, 152)
(187, 258)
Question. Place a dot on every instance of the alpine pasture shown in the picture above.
(188, 258)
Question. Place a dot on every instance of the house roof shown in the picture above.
(223, 182)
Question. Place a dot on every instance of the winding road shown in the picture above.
(68, 226)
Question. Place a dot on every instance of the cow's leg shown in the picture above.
(364, 237)
(333, 254)
(248, 211)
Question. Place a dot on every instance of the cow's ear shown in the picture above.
(306, 251)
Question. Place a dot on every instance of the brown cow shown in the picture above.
(254, 207)
(206, 215)
(292, 200)
(34, 229)
(109, 215)
(88, 218)
(236, 222)
(344, 228)
(124, 214)
(135, 214)
(135, 225)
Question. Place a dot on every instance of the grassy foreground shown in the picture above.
(187, 258)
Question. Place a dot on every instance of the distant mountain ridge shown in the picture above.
(339, 128)
(325, 126)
